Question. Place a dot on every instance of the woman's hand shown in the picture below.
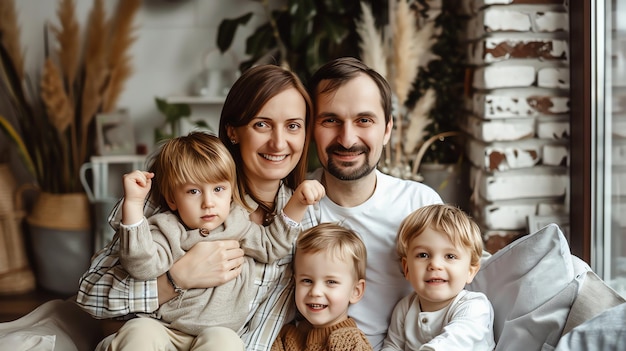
(206, 265)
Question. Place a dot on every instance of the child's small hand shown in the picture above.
(309, 192)
(137, 184)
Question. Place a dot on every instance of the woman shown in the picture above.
(263, 124)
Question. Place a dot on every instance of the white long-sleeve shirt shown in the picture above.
(465, 324)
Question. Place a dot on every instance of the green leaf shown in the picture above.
(260, 42)
(173, 112)
(227, 29)
(302, 13)
(17, 139)
(335, 31)
(313, 60)
(302, 10)
(336, 6)
(161, 104)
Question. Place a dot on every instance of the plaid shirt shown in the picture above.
(107, 291)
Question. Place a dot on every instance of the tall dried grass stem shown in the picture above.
(371, 44)
(96, 71)
(68, 37)
(58, 106)
(405, 54)
(418, 121)
(119, 60)
(10, 35)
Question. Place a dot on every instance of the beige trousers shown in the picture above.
(150, 334)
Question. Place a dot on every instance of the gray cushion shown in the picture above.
(605, 332)
(531, 285)
(594, 298)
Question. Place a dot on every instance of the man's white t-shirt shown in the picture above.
(377, 221)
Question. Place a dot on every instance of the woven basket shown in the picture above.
(16, 275)
(61, 211)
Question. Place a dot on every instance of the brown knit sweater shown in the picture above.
(343, 336)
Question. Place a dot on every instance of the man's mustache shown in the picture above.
(357, 149)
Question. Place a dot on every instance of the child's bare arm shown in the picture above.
(136, 184)
(309, 192)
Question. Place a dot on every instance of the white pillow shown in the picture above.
(54, 325)
(27, 341)
(531, 286)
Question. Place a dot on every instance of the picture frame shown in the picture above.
(114, 134)
(536, 222)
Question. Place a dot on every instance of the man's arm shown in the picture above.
(107, 291)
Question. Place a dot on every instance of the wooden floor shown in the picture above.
(15, 306)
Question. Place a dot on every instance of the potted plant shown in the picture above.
(174, 114)
(54, 125)
(301, 35)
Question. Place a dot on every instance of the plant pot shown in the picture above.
(62, 240)
(451, 181)
(16, 275)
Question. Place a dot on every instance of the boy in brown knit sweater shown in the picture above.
(329, 275)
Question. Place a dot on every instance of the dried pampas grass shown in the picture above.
(58, 105)
(371, 41)
(405, 51)
(418, 121)
(72, 86)
(405, 63)
(68, 37)
(119, 60)
(10, 35)
(424, 39)
(95, 65)
(59, 111)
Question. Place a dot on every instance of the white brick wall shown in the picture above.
(518, 112)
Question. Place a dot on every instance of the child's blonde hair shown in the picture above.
(342, 243)
(452, 221)
(198, 158)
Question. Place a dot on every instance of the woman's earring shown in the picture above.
(233, 141)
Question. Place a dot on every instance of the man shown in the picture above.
(352, 125)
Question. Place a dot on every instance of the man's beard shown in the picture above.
(342, 170)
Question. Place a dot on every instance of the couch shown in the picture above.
(540, 292)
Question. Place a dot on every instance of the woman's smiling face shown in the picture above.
(271, 144)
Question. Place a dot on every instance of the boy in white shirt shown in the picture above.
(440, 248)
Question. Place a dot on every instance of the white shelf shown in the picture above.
(196, 100)
(134, 159)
